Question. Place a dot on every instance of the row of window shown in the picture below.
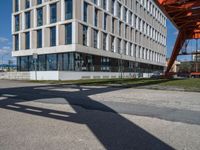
(137, 6)
(109, 43)
(122, 47)
(52, 37)
(147, 4)
(138, 23)
(81, 62)
(40, 17)
(117, 26)
(27, 4)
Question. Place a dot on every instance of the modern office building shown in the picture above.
(88, 38)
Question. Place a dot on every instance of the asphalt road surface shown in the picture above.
(58, 117)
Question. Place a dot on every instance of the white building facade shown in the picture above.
(94, 38)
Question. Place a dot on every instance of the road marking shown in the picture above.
(34, 110)
(9, 95)
(57, 114)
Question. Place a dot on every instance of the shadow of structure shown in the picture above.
(113, 130)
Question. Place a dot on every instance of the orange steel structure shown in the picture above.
(185, 15)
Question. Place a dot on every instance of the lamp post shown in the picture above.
(121, 57)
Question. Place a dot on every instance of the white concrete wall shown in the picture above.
(67, 75)
(44, 75)
(92, 75)
(15, 75)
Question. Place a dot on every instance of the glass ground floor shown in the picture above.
(82, 62)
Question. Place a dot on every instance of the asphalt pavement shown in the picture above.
(42, 116)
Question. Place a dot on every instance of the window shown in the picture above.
(53, 13)
(24, 63)
(39, 2)
(85, 13)
(105, 64)
(112, 6)
(120, 28)
(112, 44)
(113, 25)
(17, 42)
(42, 62)
(16, 5)
(95, 38)
(52, 62)
(39, 38)
(95, 1)
(104, 41)
(96, 17)
(60, 61)
(28, 20)
(68, 9)
(125, 14)
(119, 45)
(105, 4)
(105, 21)
(39, 17)
(27, 40)
(68, 33)
(17, 23)
(119, 10)
(85, 29)
(27, 4)
(53, 36)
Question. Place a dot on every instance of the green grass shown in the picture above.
(186, 84)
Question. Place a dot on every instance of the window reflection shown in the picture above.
(52, 62)
(81, 62)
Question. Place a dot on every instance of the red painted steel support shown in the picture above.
(178, 45)
(185, 15)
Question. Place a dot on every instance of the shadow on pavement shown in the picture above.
(113, 130)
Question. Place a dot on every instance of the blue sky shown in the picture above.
(6, 38)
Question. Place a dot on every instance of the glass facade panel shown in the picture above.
(28, 20)
(104, 41)
(39, 16)
(24, 64)
(85, 29)
(82, 62)
(68, 9)
(27, 40)
(39, 2)
(105, 4)
(60, 62)
(95, 17)
(41, 63)
(53, 36)
(52, 62)
(53, 13)
(85, 12)
(16, 5)
(68, 33)
(27, 4)
(95, 38)
(31, 63)
(39, 38)
(17, 42)
(17, 23)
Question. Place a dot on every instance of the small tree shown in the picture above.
(185, 67)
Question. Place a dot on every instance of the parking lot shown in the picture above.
(56, 117)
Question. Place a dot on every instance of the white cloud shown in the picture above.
(5, 51)
(175, 33)
(3, 40)
(7, 48)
